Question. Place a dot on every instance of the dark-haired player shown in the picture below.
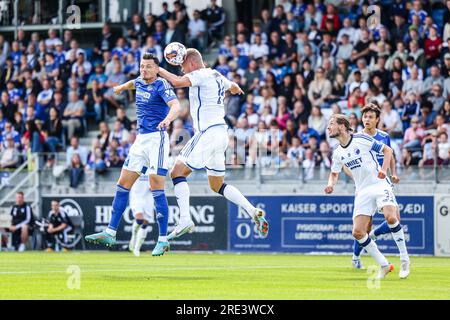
(156, 107)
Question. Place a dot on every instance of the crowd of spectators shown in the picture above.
(305, 60)
(298, 63)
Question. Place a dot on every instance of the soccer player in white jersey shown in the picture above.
(141, 204)
(370, 118)
(206, 149)
(373, 192)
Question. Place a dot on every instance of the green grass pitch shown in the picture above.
(180, 276)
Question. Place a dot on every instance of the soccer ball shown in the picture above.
(174, 53)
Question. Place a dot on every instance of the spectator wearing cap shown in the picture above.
(81, 62)
(314, 34)
(407, 69)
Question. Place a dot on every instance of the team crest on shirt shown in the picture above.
(349, 155)
(357, 151)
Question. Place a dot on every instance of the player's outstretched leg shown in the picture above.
(108, 237)
(162, 216)
(140, 238)
(234, 195)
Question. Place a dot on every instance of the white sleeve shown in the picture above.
(226, 83)
(336, 164)
(195, 78)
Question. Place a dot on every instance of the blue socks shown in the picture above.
(357, 248)
(162, 211)
(119, 205)
(382, 229)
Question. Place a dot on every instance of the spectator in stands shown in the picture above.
(215, 19)
(390, 120)
(197, 31)
(22, 222)
(436, 97)
(432, 46)
(115, 79)
(76, 170)
(93, 100)
(305, 132)
(319, 89)
(119, 133)
(317, 121)
(59, 226)
(54, 131)
(75, 148)
(73, 114)
(173, 33)
(10, 154)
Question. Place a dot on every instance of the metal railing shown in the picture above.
(25, 178)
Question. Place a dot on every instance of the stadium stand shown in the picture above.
(298, 62)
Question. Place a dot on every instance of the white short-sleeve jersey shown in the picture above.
(358, 157)
(206, 97)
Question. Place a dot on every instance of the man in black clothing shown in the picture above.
(215, 19)
(22, 222)
(59, 225)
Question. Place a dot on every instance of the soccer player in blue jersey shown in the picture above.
(370, 119)
(156, 107)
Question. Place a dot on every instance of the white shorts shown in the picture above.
(149, 154)
(141, 198)
(372, 199)
(206, 150)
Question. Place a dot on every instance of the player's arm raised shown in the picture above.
(176, 81)
(126, 86)
(174, 106)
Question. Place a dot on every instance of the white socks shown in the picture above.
(399, 237)
(111, 232)
(140, 238)
(182, 194)
(372, 249)
(235, 196)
